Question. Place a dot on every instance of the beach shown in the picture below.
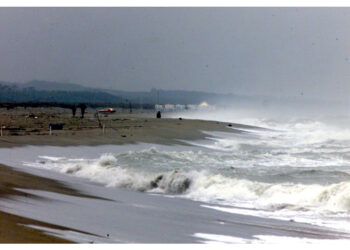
(88, 184)
(120, 128)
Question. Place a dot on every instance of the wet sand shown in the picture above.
(12, 229)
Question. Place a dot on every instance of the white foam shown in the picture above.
(272, 239)
(216, 238)
(339, 223)
(204, 185)
(265, 239)
(51, 158)
(333, 198)
(299, 168)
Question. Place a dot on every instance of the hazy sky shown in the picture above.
(273, 51)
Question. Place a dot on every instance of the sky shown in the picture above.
(247, 51)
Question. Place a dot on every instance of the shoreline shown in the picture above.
(119, 129)
(163, 131)
(116, 129)
(38, 198)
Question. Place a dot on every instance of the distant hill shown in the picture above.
(15, 93)
(46, 91)
(151, 97)
(39, 90)
(48, 86)
(172, 96)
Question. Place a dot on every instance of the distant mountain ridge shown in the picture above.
(59, 91)
(17, 92)
(62, 86)
(151, 97)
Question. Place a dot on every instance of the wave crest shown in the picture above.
(207, 186)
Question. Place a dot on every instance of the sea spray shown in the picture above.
(206, 186)
(297, 169)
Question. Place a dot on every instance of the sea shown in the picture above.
(282, 167)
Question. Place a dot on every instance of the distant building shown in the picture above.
(169, 107)
(159, 107)
(203, 106)
(180, 107)
(192, 107)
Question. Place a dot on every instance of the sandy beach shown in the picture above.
(119, 128)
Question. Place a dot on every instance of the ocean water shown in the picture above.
(295, 169)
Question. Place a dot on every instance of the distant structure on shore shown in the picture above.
(181, 107)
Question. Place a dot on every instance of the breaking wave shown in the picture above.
(295, 169)
(202, 184)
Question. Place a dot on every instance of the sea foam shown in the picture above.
(204, 185)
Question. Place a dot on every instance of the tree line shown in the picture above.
(14, 94)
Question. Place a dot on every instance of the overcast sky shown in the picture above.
(267, 51)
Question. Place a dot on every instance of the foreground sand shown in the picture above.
(12, 229)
